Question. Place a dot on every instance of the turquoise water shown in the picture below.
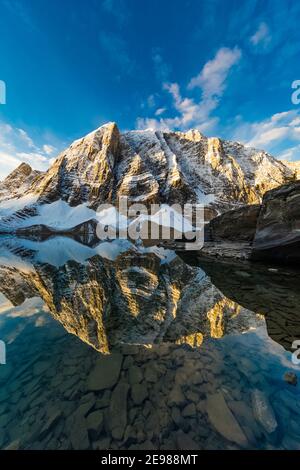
(141, 350)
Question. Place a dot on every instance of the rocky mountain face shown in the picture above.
(150, 167)
(294, 166)
(18, 182)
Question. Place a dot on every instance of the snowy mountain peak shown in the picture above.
(151, 166)
(18, 182)
(22, 170)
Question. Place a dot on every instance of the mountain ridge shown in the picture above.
(148, 167)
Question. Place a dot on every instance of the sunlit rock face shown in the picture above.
(294, 166)
(18, 182)
(84, 172)
(148, 167)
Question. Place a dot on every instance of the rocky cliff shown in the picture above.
(277, 234)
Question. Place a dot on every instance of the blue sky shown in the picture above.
(224, 67)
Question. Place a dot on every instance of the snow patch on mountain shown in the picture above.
(10, 206)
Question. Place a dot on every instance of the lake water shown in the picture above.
(122, 347)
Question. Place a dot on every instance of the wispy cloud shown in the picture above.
(212, 82)
(117, 51)
(291, 154)
(49, 149)
(212, 78)
(20, 10)
(161, 68)
(118, 9)
(279, 134)
(160, 111)
(16, 146)
(262, 36)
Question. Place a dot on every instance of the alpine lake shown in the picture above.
(119, 347)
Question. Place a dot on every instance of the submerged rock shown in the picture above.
(118, 410)
(224, 421)
(290, 378)
(15, 445)
(135, 375)
(139, 393)
(263, 411)
(185, 442)
(95, 424)
(53, 417)
(106, 372)
(78, 434)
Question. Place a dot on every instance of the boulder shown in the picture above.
(234, 225)
(277, 237)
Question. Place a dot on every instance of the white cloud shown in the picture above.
(261, 139)
(49, 149)
(278, 134)
(213, 76)
(25, 137)
(279, 126)
(151, 101)
(262, 36)
(212, 81)
(118, 9)
(160, 111)
(16, 146)
(116, 49)
(291, 154)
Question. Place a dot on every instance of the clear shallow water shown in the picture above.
(132, 351)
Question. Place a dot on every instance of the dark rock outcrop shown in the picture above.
(277, 237)
(235, 225)
(269, 232)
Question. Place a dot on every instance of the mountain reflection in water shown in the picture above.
(162, 354)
